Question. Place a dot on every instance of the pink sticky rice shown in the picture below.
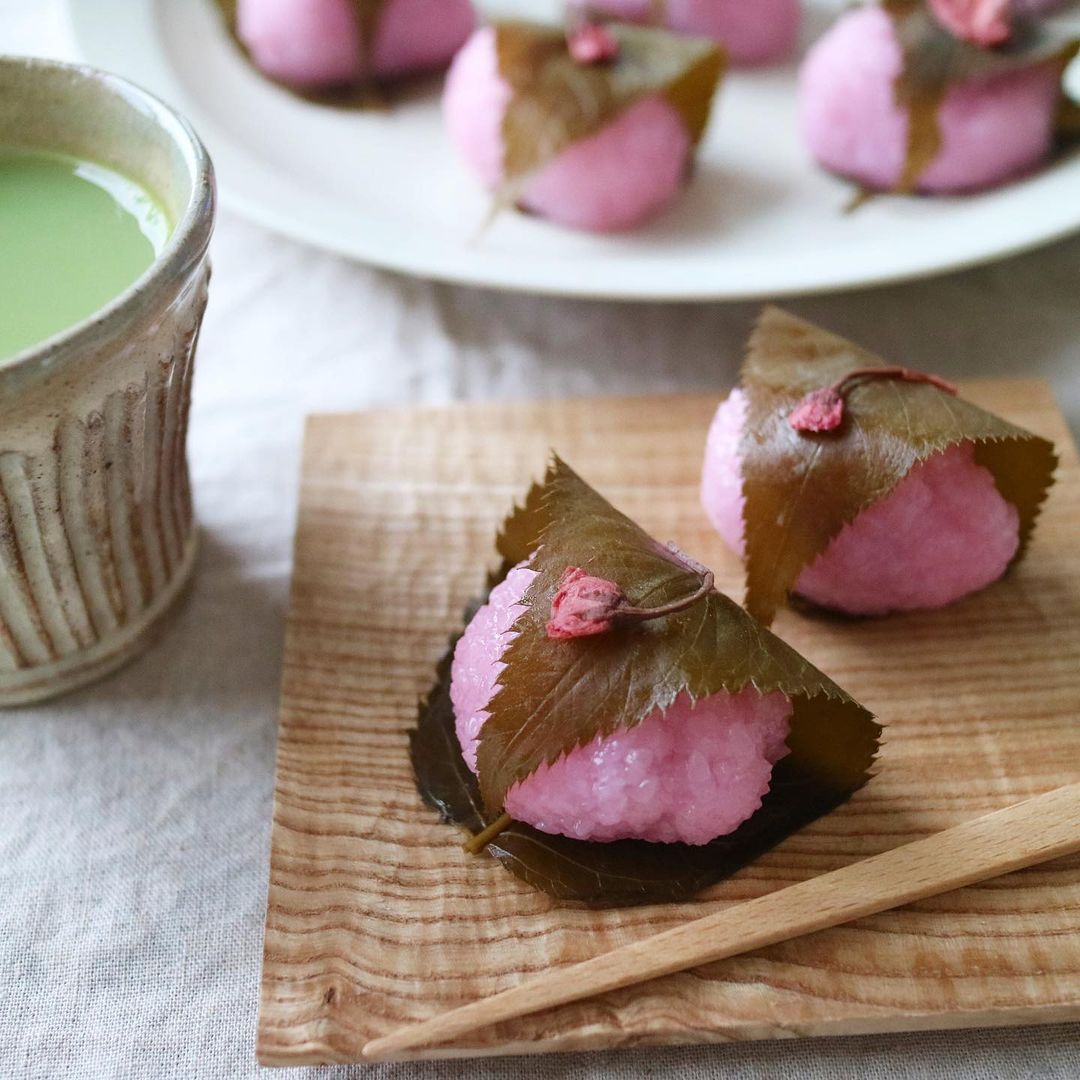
(752, 31)
(315, 43)
(688, 775)
(609, 182)
(943, 532)
(992, 129)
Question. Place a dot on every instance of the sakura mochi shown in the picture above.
(589, 132)
(944, 531)
(759, 32)
(861, 487)
(611, 728)
(690, 774)
(315, 45)
(973, 130)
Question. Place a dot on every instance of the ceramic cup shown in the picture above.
(97, 537)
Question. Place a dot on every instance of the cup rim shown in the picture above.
(187, 241)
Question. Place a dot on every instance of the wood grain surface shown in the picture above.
(376, 918)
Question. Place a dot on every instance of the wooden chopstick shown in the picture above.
(1024, 834)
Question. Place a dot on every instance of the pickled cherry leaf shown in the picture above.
(556, 101)
(623, 872)
(367, 14)
(1067, 121)
(800, 489)
(934, 60)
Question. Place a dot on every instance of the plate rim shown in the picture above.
(98, 44)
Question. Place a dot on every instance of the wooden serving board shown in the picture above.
(376, 917)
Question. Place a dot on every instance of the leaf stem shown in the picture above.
(639, 614)
(902, 374)
(475, 844)
(823, 409)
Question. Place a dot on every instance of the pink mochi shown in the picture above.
(316, 43)
(943, 532)
(609, 182)
(751, 31)
(688, 775)
(420, 35)
(993, 129)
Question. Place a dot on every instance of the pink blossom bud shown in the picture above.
(592, 43)
(820, 410)
(583, 605)
(982, 22)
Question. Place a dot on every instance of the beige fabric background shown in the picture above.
(134, 816)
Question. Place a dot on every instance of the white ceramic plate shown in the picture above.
(758, 219)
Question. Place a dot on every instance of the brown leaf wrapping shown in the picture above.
(556, 101)
(934, 60)
(558, 695)
(367, 13)
(801, 489)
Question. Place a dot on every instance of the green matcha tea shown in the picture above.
(73, 235)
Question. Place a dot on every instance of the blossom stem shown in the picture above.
(475, 844)
(902, 374)
(639, 614)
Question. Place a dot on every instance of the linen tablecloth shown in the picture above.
(135, 816)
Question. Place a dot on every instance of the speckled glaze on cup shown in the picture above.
(97, 536)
